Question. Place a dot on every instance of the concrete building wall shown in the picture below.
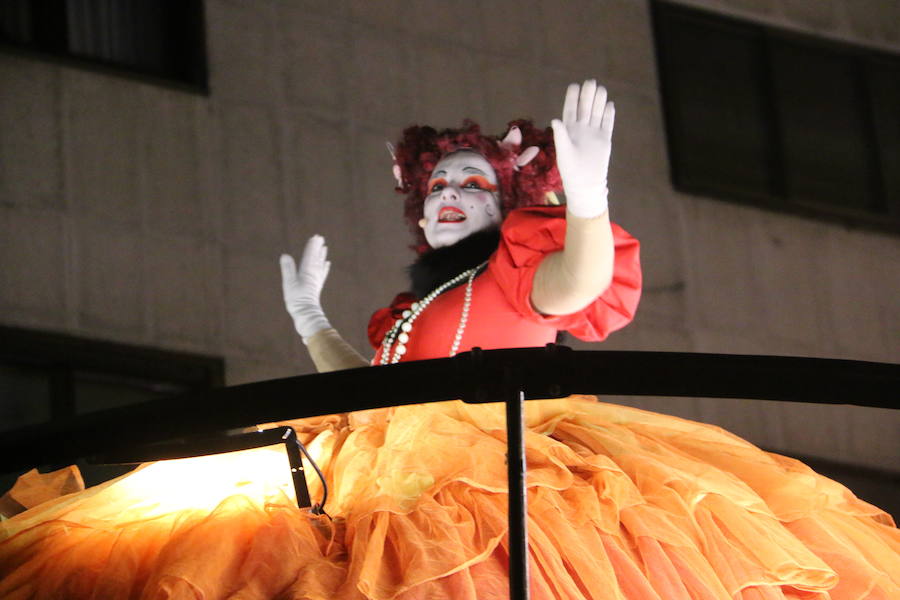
(137, 213)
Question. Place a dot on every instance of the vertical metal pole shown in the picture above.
(518, 503)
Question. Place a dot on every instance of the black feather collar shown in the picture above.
(434, 267)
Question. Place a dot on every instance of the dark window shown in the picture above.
(48, 377)
(792, 122)
(159, 39)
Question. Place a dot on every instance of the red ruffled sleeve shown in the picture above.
(383, 318)
(530, 234)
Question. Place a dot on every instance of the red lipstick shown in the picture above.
(451, 214)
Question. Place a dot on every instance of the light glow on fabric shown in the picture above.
(262, 475)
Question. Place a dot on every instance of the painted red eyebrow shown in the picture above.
(482, 182)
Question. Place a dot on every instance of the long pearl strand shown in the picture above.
(403, 326)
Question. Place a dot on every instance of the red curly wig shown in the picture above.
(421, 148)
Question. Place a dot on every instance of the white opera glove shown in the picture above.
(303, 287)
(583, 140)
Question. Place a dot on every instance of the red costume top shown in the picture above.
(501, 314)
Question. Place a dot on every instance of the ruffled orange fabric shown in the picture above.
(623, 504)
(35, 488)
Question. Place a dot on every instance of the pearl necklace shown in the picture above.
(403, 326)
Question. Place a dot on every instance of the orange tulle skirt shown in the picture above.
(623, 504)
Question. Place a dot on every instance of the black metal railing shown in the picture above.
(510, 376)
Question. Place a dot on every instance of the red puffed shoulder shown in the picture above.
(527, 236)
(383, 318)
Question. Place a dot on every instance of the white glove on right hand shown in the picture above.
(302, 288)
(583, 140)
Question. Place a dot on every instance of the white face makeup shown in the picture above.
(462, 198)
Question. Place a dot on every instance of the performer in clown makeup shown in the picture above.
(499, 266)
(623, 503)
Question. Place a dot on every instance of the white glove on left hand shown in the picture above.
(302, 288)
(583, 140)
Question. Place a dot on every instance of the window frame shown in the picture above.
(777, 198)
(64, 357)
(59, 53)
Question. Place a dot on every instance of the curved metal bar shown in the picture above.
(476, 376)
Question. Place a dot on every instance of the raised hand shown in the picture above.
(583, 140)
(303, 287)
